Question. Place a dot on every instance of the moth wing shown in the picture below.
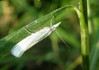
(28, 42)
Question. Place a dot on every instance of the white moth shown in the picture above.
(31, 40)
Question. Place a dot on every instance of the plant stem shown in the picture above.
(84, 34)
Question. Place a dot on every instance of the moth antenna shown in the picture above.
(62, 39)
(51, 21)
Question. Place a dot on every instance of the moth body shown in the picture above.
(31, 40)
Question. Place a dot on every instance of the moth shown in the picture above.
(31, 40)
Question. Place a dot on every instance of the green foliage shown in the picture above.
(9, 41)
(51, 53)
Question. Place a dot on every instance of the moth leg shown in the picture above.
(62, 39)
(27, 30)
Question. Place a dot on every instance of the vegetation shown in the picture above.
(79, 29)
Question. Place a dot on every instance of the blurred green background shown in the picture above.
(51, 53)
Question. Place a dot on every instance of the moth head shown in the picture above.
(55, 26)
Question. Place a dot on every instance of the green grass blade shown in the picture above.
(94, 54)
(9, 41)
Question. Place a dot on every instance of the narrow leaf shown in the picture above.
(9, 41)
